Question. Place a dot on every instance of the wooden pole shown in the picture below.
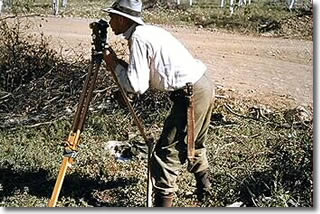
(57, 188)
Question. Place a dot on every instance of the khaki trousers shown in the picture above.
(170, 152)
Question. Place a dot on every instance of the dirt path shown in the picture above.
(267, 69)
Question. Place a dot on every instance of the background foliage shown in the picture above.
(260, 17)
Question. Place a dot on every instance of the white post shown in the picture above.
(1, 3)
(55, 5)
(231, 7)
(249, 2)
(291, 4)
(222, 4)
(64, 3)
(178, 2)
(190, 2)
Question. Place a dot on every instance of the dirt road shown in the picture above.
(266, 69)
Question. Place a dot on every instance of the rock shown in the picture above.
(236, 204)
(298, 114)
(126, 151)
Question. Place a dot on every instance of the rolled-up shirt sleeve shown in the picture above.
(136, 77)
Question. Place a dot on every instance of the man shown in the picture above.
(160, 61)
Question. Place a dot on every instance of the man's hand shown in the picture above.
(111, 59)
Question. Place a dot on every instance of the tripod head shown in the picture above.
(99, 39)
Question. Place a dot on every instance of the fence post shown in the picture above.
(55, 5)
(1, 3)
(222, 4)
(64, 3)
(231, 7)
(178, 2)
(291, 4)
(242, 2)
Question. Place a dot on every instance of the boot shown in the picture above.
(162, 200)
(203, 185)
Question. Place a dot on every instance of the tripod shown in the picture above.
(99, 42)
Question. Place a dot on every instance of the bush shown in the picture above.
(22, 58)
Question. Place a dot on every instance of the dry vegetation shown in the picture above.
(259, 155)
(263, 17)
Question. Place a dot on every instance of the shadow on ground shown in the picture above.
(75, 186)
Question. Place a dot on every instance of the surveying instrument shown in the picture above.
(99, 47)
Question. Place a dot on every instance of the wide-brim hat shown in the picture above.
(130, 9)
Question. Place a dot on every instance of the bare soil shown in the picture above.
(271, 71)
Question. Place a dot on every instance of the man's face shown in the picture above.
(117, 23)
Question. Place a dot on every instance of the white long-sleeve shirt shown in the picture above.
(157, 59)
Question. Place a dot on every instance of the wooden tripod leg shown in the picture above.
(99, 37)
(78, 123)
(66, 162)
(149, 184)
(57, 187)
(141, 129)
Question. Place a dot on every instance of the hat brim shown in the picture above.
(133, 18)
